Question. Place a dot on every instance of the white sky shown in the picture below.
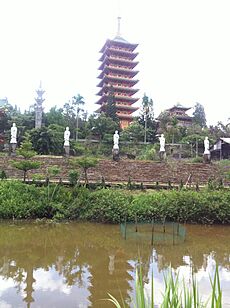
(184, 50)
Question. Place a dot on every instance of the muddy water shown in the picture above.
(77, 264)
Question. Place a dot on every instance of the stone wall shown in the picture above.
(147, 172)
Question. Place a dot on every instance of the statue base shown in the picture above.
(13, 149)
(115, 153)
(207, 158)
(162, 155)
(66, 148)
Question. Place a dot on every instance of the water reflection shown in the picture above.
(77, 264)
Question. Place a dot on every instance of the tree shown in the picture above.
(199, 115)
(111, 109)
(102, 126)
(71, 111)
(78, 101)
(219, 130)
(85, 163)
(174, 129)
(146, 119)
(134, 132)
(54, 116)
(48, 140)
(27, 152)
(169, 126)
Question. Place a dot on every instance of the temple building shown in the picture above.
(117, 72)
(179, 112)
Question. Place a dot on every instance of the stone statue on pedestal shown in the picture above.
(115, 150)
(207, 156)
(162, 146)
(66, 141)
(206, 146)
(13, 140)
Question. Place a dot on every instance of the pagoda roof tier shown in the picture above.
(111, 52)
(125, 116)
(178, 107)
(118, 52)
(119, 114)
(120, 43)
(111, 79)
(116, 88)
(118, 98)
(117, 70)
(126, 107)
(118, 61)
(184, 117)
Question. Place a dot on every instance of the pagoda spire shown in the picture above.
(118, 26)
(38, 106)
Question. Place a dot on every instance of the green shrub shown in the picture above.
(73, 177)
(3, 175)
(106, 205)
(85, 163)
(78, 148)
(197, 159)
(23, 201)
(25, 166)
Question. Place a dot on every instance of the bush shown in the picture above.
(106, 205)
(23, 201)
(149, 153)
(73, 177)
(79, 149)
(197, 159)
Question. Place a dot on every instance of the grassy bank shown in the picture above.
(22, 201)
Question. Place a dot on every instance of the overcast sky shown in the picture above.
(184, 50)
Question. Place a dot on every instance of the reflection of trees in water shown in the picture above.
(76, 250)
(73, 250)
(201, 241)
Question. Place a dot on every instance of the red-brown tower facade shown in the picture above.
(118, 71)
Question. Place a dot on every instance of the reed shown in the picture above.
(176, 293)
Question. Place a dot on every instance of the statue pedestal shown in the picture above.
(162, 155)
(207, 158)
(115, 153)
(66, 148)
(13, 149)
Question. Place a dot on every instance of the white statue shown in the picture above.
(206, 146)
(66, 137)
(13, 131)
(162, 143)
(116, 140)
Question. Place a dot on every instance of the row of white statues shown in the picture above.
(13, 140)
(162, 144)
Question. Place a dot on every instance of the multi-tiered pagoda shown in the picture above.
(117, 71)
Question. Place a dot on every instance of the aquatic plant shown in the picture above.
(176, 294)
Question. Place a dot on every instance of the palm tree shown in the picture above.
(78, 101)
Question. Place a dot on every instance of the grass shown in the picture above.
(176, 294)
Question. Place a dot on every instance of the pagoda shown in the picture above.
(38, 106)
(117, 72)
(179, 112)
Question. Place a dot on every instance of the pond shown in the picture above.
(77, 264)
